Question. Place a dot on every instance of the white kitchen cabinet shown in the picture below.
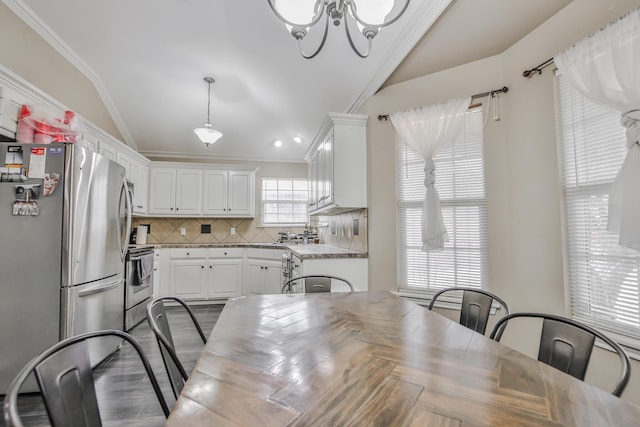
(202, 274)
(10, 103)
(225, 273)
(263, 271)
(124, 160)
(157, 275)
(229, 193)
(355, 270)
(175, 191)
(337, 162)
(188, 273)
(108, 150)
(140, 179)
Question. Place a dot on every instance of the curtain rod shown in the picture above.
(538, 69)
(476, 96)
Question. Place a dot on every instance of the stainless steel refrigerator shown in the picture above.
(62, 251)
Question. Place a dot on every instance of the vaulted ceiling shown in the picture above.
(149, 59)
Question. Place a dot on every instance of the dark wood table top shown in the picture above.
(374, 359)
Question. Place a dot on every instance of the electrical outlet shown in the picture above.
(183, 231)
(233, 230)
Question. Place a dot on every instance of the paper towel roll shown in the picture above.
(141, 235)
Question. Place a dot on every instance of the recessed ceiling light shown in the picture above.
(277, 143)
(297, 139)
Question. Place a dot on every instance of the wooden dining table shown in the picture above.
(374, 359)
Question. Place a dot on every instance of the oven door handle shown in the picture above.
(99, 289)
(139, 257)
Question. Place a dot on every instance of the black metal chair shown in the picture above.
(65, 379)
(476, 306)
(315, 283)
(567, 345)
(159, 323)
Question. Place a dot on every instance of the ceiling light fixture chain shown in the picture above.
(207, 134)
(299, 16)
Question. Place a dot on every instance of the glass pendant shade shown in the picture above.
(298, 12)
(207, 134)
(373, 12)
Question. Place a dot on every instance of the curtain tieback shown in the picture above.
(631, 121)
(429, 173)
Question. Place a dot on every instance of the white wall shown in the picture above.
(25, 53)
(523, 197)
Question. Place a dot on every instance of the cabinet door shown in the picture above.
(140, 178)
(327, 153)
(188, 278)
(241, 193)
(10, 104)
(312, 183)
(162, 191)
(215, 193)
(108, 151)
(254, 282)
(225, 278)
(125, 161)
(272, 277)
(188, 192)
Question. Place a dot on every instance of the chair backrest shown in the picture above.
(159, 323)
(567, 345)
(314, 283)
(476, 306)
(65, 378)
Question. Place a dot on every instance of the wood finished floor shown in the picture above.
(124, 392)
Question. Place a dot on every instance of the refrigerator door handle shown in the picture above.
(99, 289)
(129, 207)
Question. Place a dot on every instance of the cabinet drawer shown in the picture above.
(187, 253)
(225, 252)
(275, 254)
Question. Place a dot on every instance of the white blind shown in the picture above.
(602, 276)
(460, 182)
(284, 201)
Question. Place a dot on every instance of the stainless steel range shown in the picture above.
(138, 285)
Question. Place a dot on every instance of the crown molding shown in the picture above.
(420, 20)
(25, 13)
(213, 157)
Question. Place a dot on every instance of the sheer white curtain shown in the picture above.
(605, 68)
(427, 130)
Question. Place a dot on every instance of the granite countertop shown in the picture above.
(311, 251)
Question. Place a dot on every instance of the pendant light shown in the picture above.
(207, 134)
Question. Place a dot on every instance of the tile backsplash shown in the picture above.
(346, 230)
(336, 230)
(167, 230)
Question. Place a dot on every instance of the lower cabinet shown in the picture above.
(263, 271)
(201, 274)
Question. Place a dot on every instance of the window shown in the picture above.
(460, 182)
(602, 275)
(284, 201)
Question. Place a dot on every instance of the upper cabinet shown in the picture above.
(229, 193)
(337, 161)
(10, 103)
(175, 191)
(204, 190)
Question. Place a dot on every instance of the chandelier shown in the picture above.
(369, 17)
(207, 134)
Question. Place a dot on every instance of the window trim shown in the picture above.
(265, 224)
(402, 249)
